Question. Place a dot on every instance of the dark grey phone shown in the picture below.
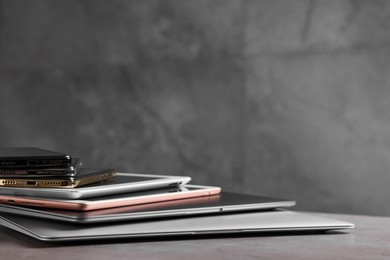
(70, 170)
(32, 157)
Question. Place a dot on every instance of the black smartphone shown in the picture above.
(32, 157)
(71, 170)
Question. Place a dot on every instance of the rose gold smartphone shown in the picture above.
(119, 200)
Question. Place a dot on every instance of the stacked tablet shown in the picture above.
(170, 205)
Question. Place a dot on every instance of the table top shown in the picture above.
(370, 239)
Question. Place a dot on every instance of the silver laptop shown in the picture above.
(217, 204)
(239, 223)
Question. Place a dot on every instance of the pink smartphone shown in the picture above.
(119, 200)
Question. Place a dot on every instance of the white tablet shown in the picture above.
(121, 183)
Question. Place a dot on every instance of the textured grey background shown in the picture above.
(288, 98)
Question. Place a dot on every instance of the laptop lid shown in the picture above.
(241, 223)
(223, 203)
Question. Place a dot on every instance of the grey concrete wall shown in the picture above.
(280, 97)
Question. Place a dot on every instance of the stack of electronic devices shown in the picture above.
(50, 196)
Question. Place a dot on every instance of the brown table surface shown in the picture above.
(370, 239)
